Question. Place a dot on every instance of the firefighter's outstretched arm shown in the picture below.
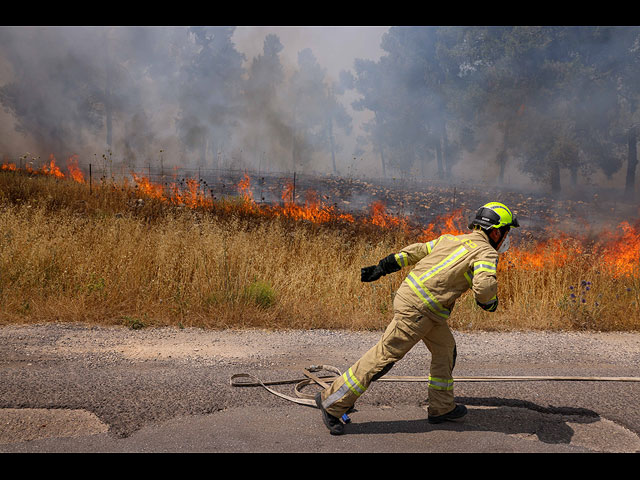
(392, 263)
(387, 265)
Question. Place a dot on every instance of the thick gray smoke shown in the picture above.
(329, 100)
(216, 97)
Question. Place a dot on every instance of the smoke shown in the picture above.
(247, 98)
(138, 96)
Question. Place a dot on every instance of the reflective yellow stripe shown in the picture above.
(440, 383)
(402, 258)
(430, 246)
(484, 267)
(450, 259)
(352, 382)
(426, 296)
(469, 276)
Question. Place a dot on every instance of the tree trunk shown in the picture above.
(574, 176)
(294, 143)
(444, 169)
(295, 153)
(632, 161)
(203, 152)
(501, 159)
(333, 147)
(439, 159)
(107, 95)
(555, 178)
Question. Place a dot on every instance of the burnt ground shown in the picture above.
(422, 202)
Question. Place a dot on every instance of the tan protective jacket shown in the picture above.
(447, 267)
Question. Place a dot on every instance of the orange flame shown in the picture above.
(244, 187)
(313, 209)
(381, 218)
(74, 171)
(148, 188)
(9, 166)
(557, 251)
(619, 251)
(287, 193)
(444, 224)
(52, 168)
(622, 252)
(192, 196)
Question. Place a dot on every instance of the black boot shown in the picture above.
(459, 411)
(334, 424)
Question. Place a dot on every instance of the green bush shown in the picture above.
(261, 293)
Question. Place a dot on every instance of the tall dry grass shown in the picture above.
(111, 257)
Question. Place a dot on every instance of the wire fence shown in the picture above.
(350, 194)
(421, 200)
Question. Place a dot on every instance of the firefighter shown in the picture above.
(444, 268)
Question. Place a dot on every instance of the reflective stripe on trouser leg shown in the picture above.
(440, 383)
(396, 341)
(441, 344)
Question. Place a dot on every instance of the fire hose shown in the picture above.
(310, 377)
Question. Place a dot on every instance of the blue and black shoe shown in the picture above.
(334, 424)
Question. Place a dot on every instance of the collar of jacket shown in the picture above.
(482, 234)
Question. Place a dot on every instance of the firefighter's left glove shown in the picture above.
(387, 265)
(491, 306)
(371, 274)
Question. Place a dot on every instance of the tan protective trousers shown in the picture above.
(407, 328)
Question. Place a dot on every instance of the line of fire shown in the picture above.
(427, 214)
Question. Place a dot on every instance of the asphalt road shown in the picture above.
(75, 388)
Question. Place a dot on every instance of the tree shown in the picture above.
(400, 129)
(57, 94)
(267, 129)
(86, 88)
(375, 92)
(315, 113)
(210, 97)
(415, 92)
(614, 54)
(336, 116)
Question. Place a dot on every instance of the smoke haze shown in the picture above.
(223, 97)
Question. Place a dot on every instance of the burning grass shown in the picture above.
(141, 254)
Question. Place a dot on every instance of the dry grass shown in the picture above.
(107, 258)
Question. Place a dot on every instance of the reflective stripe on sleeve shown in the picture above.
(484, 267)
(402, 258)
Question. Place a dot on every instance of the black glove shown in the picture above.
(387, 265)
(371, 274)
(489, 307)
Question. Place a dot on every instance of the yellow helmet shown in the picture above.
(493, 215)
